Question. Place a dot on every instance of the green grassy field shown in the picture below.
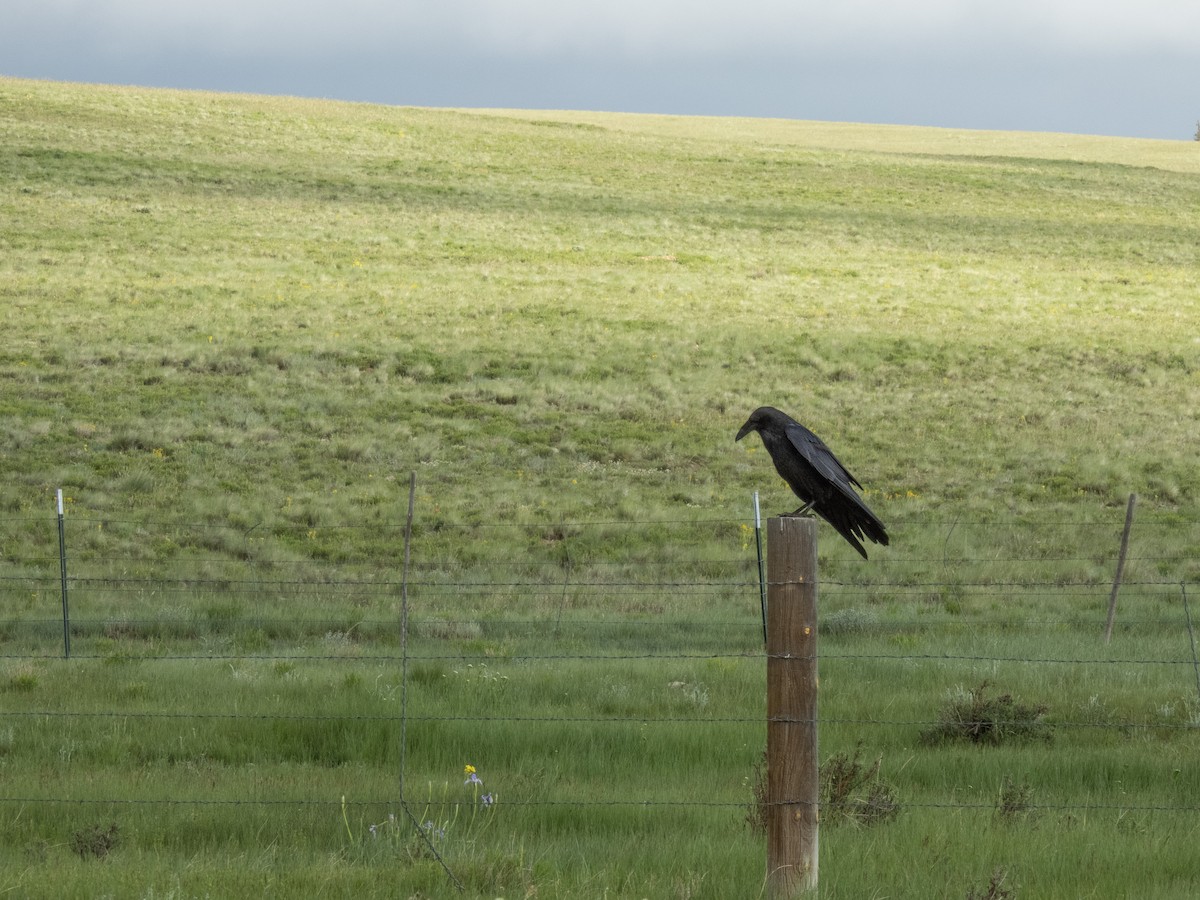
(234, 325)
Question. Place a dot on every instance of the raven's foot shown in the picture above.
(801, 513)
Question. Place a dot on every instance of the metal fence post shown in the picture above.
(62, 568)
(1112, 599)
(762, 575)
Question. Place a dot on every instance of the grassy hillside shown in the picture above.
(572, 316)
(234, 325)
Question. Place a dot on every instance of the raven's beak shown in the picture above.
(745, 430)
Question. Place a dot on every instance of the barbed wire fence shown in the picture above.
(566, 600)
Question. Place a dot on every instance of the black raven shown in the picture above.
(816, 476)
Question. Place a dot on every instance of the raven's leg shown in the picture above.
(802, 511)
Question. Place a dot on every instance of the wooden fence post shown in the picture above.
(793, 781)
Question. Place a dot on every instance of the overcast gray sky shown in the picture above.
(1116, 67)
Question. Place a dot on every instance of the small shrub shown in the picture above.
(1015, 802)
(979, 717)
(8, 738)
(22, 679)
(252, 641)
(995, 889)
(222, 613)
(95, 841)
(756, 813)
(425, 674)
(447, 630)
(853, 792)
(457, 815)
(850, 621)
(283, 668)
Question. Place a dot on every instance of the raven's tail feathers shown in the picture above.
(854, 521)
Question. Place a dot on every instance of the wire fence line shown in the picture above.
(130, 587)
(129, 584)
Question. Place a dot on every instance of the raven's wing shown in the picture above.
(819, 456)
(849, 516)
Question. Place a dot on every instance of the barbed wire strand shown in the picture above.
(575, 802)
(435, 524)
(607, 657)
(1047, 723)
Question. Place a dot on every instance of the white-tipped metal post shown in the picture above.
(62, 567)
(762, 574)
